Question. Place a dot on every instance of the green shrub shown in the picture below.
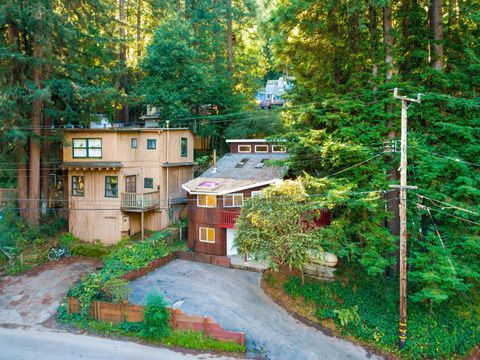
(155, 325)
(117, 290)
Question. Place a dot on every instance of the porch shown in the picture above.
(133, 202)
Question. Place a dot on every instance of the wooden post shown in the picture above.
(205, 326)
(402, 329)
(141, 216)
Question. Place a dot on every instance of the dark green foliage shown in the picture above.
(342, 112)
(430, 335)
(156, 323)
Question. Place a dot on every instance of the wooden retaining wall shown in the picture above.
(117, 313)
(203, 258)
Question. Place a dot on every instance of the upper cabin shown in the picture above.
(255, 146)
(122, 180)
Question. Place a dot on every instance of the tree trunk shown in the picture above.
(124, 116)
(229, 37)
(21, 153)
(22, 180)
(436, 24)
(388, 41)
(372, 11)
(33, 216)
(178, 6)
(139, 30)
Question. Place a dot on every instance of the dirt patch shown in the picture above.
(33, 297)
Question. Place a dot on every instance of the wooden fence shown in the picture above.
(117, 313)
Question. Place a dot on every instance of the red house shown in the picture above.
(215, 197)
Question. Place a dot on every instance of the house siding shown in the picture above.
(96, 217)
(210, 217)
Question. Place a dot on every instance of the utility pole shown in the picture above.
(402, 329)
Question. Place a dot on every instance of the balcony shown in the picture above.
(228, 218)
(134, 202)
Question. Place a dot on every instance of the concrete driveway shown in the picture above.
(33, 297)
(236, 301)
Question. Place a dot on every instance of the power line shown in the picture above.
(453, 216)
(433, 201)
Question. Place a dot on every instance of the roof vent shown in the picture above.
(241, 163)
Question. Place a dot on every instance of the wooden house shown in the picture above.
(215, 198)
(122, 180)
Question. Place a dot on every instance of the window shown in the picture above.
(111, 186)
(131, 184)
(78, 186)
(241, 163)
(261, 148)
(244, 148)
(87, 148)
(207, 234)
(148, 183)
(151, 144)
(279, 149)
(133, 143)
(184, 147)
(233, 200)
(257, 193)
(207, 201)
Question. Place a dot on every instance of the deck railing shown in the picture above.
(228, 218)
(138, 202)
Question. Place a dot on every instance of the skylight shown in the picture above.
(241, 163)
(208, 184)
(261, 164)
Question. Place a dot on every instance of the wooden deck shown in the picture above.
(133, 202)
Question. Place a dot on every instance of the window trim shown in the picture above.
(277, 151)
(182, 139)
(87, 148)
(233, 200)
(206, 201)
(105, 189)
(144, 185)
(207, 231)
(71, 192)
(154, 142)
(262, 152)
(133, 141)
(245, 152)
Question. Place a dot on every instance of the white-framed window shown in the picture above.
(209, 201)
(87, 148)
(233, 200)
(206, 234)
(279, 149)
(244, 148)
(257, 193)
(261, 148)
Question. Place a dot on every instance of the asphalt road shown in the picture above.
(41, 344)
(236, 301)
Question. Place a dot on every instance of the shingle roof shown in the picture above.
(227, 177)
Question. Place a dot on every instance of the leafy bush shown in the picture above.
(117, 290)
(369, 312)
(155, 325)
(121, 261)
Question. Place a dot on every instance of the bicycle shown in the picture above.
(56, 254)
